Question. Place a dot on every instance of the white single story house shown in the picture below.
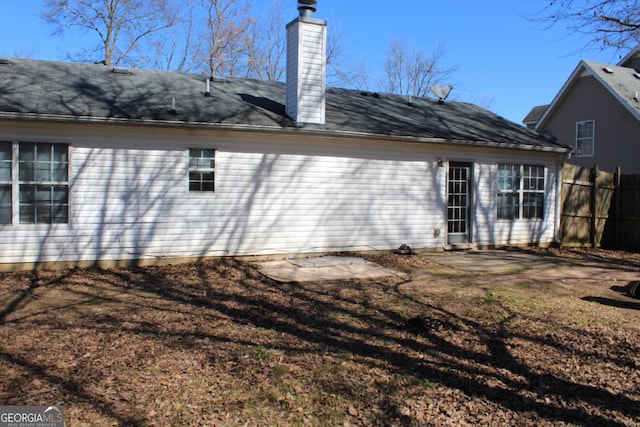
(124, 166)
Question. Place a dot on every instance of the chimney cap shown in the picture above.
(307, 7)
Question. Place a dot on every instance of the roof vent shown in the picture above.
(5, 61)
(120, 70)
(607, 70)
(307, 7)
(636, 75)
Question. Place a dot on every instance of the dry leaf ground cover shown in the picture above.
(215, 343)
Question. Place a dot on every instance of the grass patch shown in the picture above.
(258, 353)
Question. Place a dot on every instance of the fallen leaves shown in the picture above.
(216, 343)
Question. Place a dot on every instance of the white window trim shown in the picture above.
(9, 182)
(15, 185)
(521, 191)
(593, 139)
(214, 170)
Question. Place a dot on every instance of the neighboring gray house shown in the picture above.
(597, 112)
(115, 166)
(533, 117)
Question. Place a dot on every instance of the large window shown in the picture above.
(520, 191)
(202, 169)
(585, 138)
(43, 187)
(5, 182)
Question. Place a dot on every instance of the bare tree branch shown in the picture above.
(608, 23)
(266, 44)
(118, 24)
(227, 22)
(410, 71)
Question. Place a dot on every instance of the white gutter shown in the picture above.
(311, 130)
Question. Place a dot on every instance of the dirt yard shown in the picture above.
(549, 343)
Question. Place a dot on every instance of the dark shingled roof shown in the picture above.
(33, 89)
(535, 114)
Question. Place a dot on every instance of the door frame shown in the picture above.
(467, 238)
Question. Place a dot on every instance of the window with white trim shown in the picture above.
(43, 183)
(533, 192)
(202, 163)
(585, 138)
(5, 182)
(520, 191)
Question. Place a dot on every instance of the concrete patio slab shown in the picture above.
(324, 268)
(494, 261)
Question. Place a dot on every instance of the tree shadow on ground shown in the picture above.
(627, 303)
(377, 326)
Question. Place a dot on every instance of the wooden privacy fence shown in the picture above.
(600, 209)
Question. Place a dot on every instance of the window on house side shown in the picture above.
(5, 182)
(520, 191)
(533, 192)
(202, 169)
(43, 192)
(585, 138)
(508, 191)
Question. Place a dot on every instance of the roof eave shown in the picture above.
(273, 129)
(629, 55)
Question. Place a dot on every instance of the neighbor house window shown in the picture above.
(43, 183)
(520, 191)
(202, 169)
(585, 138)
(5, 182)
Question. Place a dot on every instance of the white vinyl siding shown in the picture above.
(273, 195)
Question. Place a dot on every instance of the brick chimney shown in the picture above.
(306, 65)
